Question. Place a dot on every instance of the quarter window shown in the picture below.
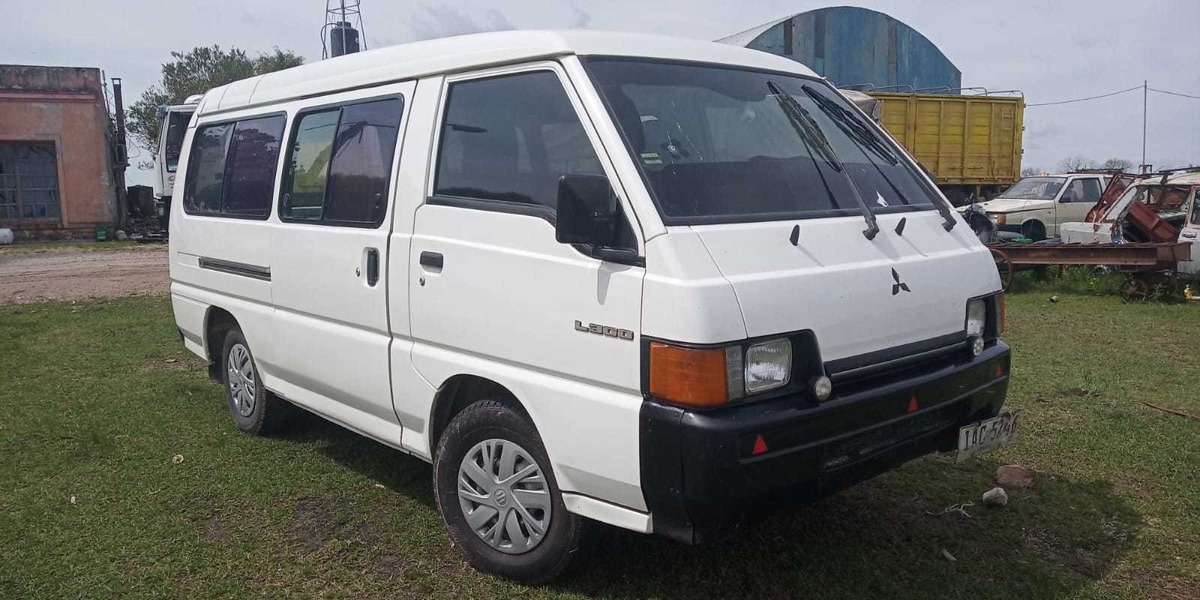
(509, 139)
(340, 164)
(232, 168)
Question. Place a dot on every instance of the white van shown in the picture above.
(645, 281)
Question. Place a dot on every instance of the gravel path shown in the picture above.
(70, 274)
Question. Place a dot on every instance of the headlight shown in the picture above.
(768, 365)
(999, 219)
(715, 376)
(976, 318)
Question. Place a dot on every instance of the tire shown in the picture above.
(253, 408)
(488, 433)
(1034, 230)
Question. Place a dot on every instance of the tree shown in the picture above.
(1117, 163)
(196, 72)
(1076, 163)
(1031, 171)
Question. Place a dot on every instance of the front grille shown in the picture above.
(877, 368)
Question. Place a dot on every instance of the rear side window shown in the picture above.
(340, 164)
(232, 168)
(510, 139)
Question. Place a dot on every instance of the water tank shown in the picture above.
(343, 39)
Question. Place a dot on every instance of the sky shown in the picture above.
(1051, 51)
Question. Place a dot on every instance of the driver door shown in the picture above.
(1079, 197)
(490, 280)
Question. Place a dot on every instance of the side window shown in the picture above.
(305, 175)
(1073, 193)
(1196, 207)
(206, 170)
(1091, 191)
(250, 175)
(232, 168)
(340, 164)
(510, 139)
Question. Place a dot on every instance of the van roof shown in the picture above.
(468, 52)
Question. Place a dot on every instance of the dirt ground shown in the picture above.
(72, 274)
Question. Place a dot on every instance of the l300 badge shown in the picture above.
(604, 330)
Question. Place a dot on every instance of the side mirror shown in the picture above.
(590, 215)
(160, 112)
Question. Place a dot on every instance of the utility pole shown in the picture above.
(1145, 167)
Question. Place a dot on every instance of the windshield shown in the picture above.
(176, 123)
(721, 144)
(1035, 188)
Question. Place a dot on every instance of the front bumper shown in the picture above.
(700, 476)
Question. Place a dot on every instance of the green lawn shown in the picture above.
(97, 399)
(71, 246)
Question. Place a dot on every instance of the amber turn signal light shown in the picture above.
(688, 376)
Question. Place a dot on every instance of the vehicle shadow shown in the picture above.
(891, 537)
(406, 475)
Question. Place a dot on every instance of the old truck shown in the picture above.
(970, 144)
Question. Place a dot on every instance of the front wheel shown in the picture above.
(498, 496)
(1034, 230)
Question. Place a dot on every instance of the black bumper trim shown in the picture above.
(700, 476)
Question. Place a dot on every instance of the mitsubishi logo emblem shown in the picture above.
(897, 286)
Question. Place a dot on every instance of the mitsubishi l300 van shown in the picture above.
(591, 277)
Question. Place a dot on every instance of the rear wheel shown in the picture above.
(253, 408)
(498, 496)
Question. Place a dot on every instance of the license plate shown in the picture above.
(988, 434)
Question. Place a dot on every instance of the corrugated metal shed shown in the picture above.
(853, 46)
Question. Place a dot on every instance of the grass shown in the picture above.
(121, 476)
(72, 246)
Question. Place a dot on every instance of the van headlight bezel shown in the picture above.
(768, 365)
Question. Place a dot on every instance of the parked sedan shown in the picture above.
(1035, 206)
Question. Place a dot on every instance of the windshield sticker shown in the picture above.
(879, 199)
(651, 158)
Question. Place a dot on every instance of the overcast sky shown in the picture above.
(1049, 50)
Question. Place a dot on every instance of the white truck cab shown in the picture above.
(645, 281)
(173, 124)
(1034, 207)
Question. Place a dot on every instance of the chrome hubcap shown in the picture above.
(504, 496)
(241, 380)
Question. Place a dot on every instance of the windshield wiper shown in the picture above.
(866, 139)
(814, 139)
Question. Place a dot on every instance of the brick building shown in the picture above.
(56, 152)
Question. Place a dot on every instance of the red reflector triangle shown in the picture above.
(912, 405)
(760, 445)
(999, 371)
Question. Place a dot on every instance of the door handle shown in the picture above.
(1189, 234)
(372, 266)
(433, 261)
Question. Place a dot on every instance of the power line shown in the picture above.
(1175, 94)
(1136, 87)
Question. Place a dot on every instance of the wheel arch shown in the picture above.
(460, 391)
(217, 323)
(1034, 222)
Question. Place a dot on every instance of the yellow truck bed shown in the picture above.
(972, 143)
